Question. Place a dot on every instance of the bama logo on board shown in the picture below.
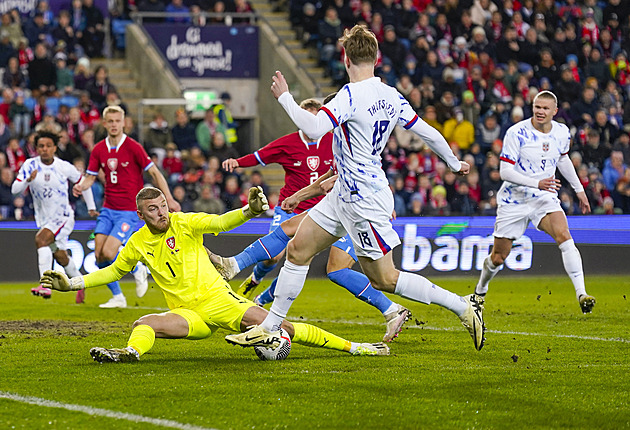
(446, 253)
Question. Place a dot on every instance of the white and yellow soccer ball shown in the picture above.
(280, 353)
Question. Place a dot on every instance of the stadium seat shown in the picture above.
(69, 101)
(52, 104)
(118, 32)
(30, 103)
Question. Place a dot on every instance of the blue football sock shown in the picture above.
(261, 270)
(267, 295)
(263, 249)
(359, 285)
(113, 286)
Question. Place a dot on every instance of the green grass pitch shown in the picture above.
(545, 365)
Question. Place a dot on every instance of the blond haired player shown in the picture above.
(200, 301)
(362, 115)
(532, 151)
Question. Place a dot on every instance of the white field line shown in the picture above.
(425, 327)
(37, 401)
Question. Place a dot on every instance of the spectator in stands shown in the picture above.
(206, 129)
(444, 107)
(6, 197)
(75, 125)
(183, 132)
(594, 153)
(15, 154)
(242, 6)
(462, 203)
(179, 194)
(151, 6)
(172, 164)
(63, 31)
(567, 89)
(93, 35)
(223, 113)
(82, 74)
(99, 86)
(65, 76)
(42, 72)
(392, 48)
(208, 202)
(438, 205)
(220, 149)
(37, 31)
(130, 128)
(613, 170)
(68, 150)
(231, 195)
(158, 136)
(20, 116)
(177, 6)
(12, 28)
(607, 131)
(622, 144)
(583, 111)
(5, 135)
(457, 129)
(7, 50)
(330, 30)
(14, 77)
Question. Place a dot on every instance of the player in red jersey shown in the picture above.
(304, 161)
(123, 162)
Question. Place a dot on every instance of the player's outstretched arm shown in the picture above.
(438, 144)
(256, 203)
(313, 190)
(230, 164)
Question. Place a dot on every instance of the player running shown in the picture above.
(199, 299)
(363, 115)
(304, 161)
(47, 176)
(123, 161)
(532, 150)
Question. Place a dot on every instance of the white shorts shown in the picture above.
(513, 219)
(61, 228)
(367, 221)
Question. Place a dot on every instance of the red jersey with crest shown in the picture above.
(303, 162)
(123, 167)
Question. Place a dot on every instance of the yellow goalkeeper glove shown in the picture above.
(60, 282)
(257, 203)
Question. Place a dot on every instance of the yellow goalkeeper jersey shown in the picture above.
(177, 258)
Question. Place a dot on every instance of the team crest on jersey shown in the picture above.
(170, 242)
(312, 162)
(125, 227)
(112, 163)
(545, 146)
(47, 177)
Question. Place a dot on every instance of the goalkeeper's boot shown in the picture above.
(118, 301)
(41, 291)
(472, 319)
(587, 303)
(80, 298)
(225, 266)
(115, 355)
(255, 336)
(395, 321)
(248, 287)
(371, 349)
(141, 276)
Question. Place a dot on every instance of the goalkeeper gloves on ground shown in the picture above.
(257, 203)
(60, 282)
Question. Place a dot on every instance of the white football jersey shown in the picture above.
(533, 154)
(363, 115)
(49, 188)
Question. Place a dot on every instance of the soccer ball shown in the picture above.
(280, 353)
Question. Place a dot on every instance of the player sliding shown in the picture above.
(363, 115)
(532, 150)
(304, 161)
(199, 299)
(46, 176)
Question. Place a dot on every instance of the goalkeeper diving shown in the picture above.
(200, 301)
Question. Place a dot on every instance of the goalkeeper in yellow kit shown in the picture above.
(200, 301)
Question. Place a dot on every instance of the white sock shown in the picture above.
(71, 269)
(487, 273)
(235, 264)
(392, 308)
(420, 289)
(572, 261)
(353, 347)
(290, 283)
(44, 259)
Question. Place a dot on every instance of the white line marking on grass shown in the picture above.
(100, 412)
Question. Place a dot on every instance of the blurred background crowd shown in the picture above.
(469, 68)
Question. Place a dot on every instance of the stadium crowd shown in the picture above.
(469, 68)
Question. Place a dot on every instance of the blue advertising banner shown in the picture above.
(208, 52)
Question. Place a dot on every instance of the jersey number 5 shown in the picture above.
(380, 127)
